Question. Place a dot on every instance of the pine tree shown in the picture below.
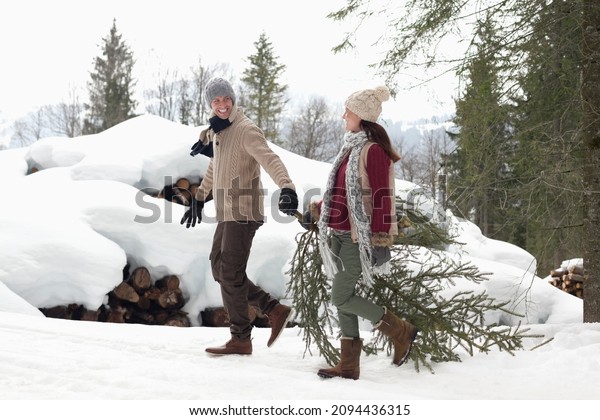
(449, 317)
(265, 95)
(590, 98)
(111, 86)
(547, 119)
(478, 172)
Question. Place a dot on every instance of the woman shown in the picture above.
(357, 225)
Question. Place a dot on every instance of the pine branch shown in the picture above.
(311, 293)
(452, 322)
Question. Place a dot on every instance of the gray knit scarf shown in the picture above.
(353, 144)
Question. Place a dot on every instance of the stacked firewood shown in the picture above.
(218, 317)
(569, 278)
(139, 300)
(180, 192)
(136, 300)
(76, 312)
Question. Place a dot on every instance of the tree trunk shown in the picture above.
(590, 95)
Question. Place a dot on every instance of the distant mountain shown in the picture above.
(412, 132)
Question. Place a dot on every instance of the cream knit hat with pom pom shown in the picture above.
(367, 103)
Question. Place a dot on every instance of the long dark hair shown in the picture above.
(377, 134)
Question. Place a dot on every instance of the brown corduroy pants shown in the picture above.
(229, 257)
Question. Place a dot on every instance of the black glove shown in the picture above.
(380, 255)
(193, 214)
(288, 201)
(203, 149)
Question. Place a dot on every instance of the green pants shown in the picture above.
(343, 289)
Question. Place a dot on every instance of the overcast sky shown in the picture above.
(47, 48)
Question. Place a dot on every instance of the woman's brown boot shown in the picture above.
(402, 334)
(349, 364)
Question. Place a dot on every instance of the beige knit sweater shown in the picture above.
(233, 174)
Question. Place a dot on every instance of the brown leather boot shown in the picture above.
(402, 334)
(349, 364)
(278, 319)
(233, 346)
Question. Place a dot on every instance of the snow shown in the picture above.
(69, 229)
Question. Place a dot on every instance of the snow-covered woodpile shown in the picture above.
(569, 277)
(140, 299)
(137, 299)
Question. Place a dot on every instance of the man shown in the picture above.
(239, 149)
